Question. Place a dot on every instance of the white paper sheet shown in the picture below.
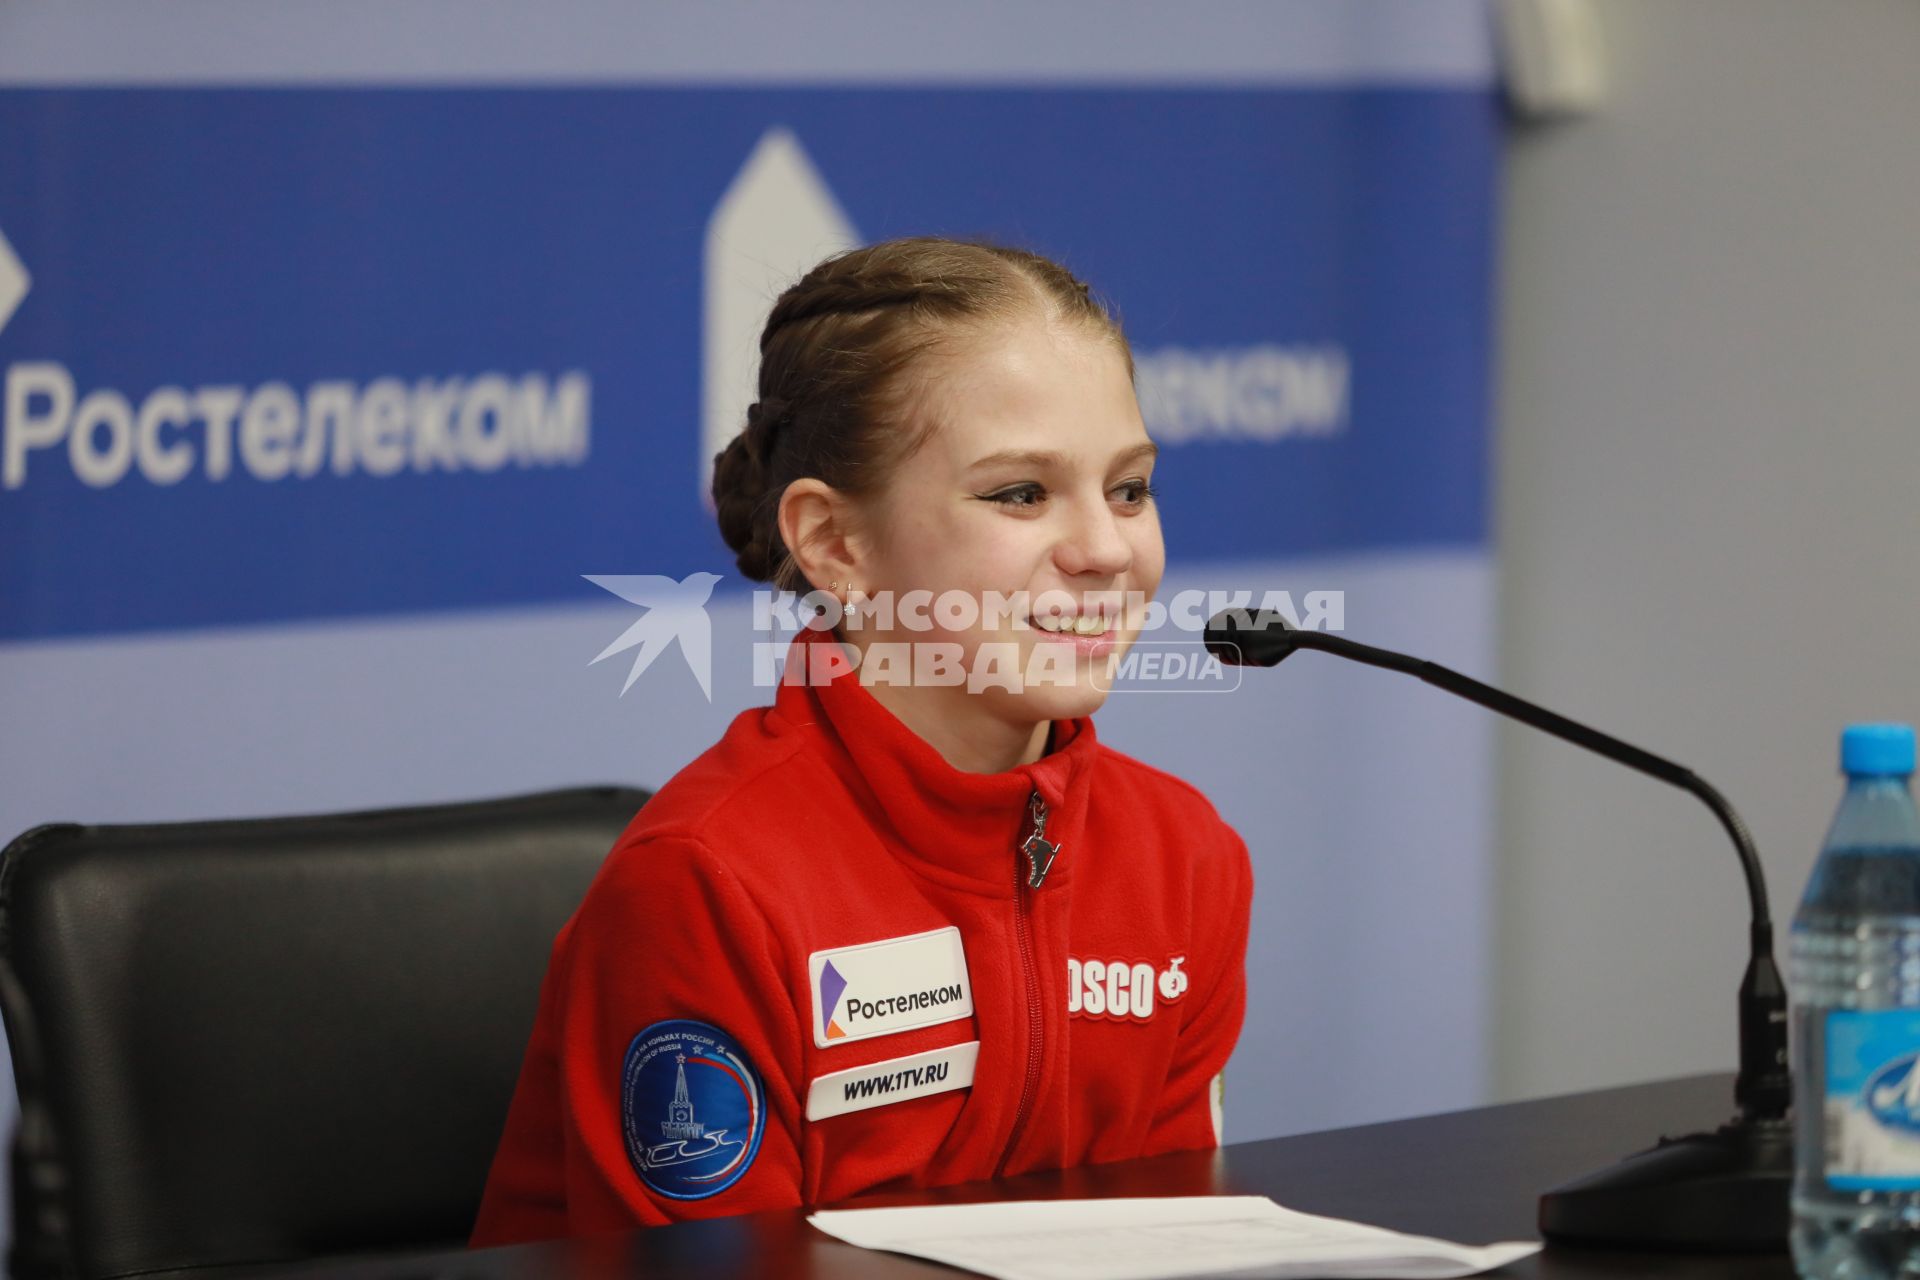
(1247, 1237)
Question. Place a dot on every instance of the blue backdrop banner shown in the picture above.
(290, 354)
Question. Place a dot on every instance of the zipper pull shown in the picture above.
(1040, 851)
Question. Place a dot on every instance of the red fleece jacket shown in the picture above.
(708, 1011)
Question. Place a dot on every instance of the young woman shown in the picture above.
(898, 929)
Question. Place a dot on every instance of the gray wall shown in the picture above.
(1709, 501)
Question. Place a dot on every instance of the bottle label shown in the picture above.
(1873, 1099)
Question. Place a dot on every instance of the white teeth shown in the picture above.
(1085, 625)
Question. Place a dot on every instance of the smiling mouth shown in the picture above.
(1083, 625)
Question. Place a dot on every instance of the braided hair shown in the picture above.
(843, 362)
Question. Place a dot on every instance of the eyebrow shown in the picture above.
(1041, 459)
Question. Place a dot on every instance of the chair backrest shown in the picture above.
(281, 1038)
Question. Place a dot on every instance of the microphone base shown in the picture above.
(1721, 1192)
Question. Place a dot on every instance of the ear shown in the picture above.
(817, 522)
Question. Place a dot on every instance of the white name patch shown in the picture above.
(897, 984)
(918, 1075)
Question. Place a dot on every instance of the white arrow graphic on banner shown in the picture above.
(777, 219)
(14, 281)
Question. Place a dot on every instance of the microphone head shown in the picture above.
(1250, 637)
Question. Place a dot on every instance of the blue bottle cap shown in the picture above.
(1877, 749)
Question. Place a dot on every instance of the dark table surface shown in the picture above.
(1471, 1176)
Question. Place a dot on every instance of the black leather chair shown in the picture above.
(266, 1040)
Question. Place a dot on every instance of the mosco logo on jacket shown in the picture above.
(1123, 990)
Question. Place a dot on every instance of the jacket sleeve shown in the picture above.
(1186, 1118)
(668, 932)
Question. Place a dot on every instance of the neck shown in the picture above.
(955, 723)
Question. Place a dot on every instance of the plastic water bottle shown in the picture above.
(1855, 989)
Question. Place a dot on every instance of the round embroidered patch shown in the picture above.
(692, 1108)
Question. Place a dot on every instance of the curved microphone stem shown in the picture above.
(1764, 1088)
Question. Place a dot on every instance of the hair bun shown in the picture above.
(742, 476)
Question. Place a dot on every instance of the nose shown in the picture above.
(1093, 542)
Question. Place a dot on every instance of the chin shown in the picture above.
(1051, 702)
(1085, 693)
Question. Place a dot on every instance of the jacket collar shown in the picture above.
(959, 828)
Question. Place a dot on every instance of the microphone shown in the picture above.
(1725, 1190)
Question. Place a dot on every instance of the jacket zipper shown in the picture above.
(1040, 853)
